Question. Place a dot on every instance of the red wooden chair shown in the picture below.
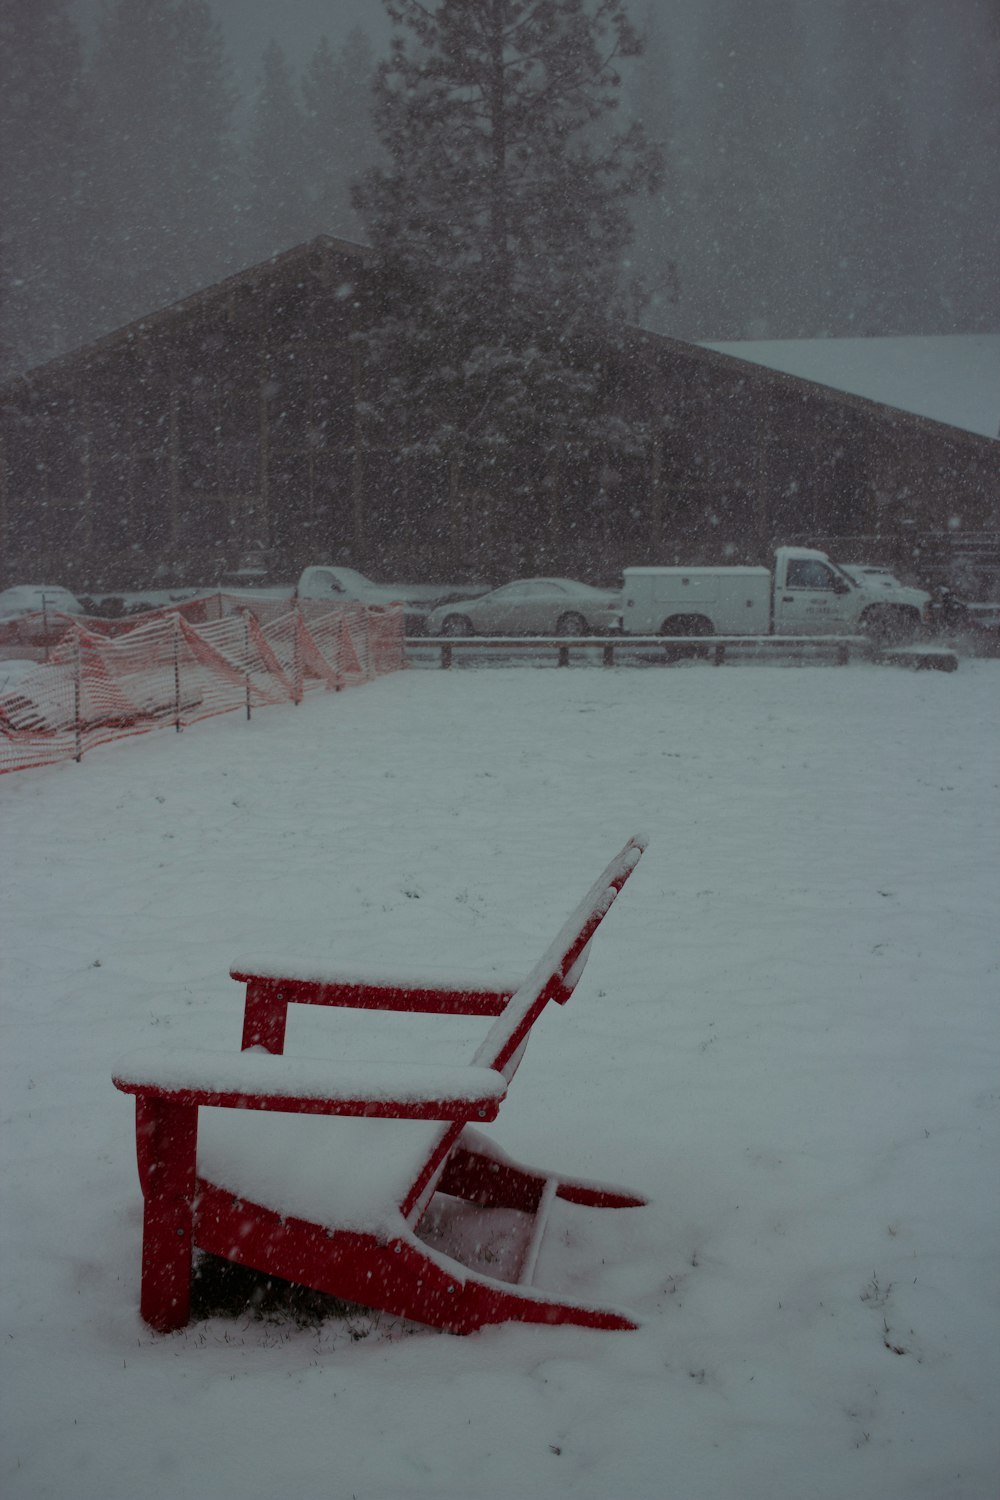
(238, 1153)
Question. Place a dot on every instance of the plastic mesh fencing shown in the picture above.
(105, 679)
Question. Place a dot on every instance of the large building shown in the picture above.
(232, 427)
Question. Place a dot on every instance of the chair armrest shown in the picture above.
(428, 991)
(260, 1080)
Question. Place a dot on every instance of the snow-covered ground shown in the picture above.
(787, 1036)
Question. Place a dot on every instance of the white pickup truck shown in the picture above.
(805, 594)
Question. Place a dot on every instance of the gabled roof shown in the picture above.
(316, 252)
(907, 376)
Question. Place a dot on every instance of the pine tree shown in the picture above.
(659, 219)
(163, 216)
(501, 222)
(278, 209)
(42, 136)
(339, 131)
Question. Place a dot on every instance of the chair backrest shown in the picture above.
(554, 977)
(558, 971)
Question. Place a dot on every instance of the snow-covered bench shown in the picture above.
(241, 1156)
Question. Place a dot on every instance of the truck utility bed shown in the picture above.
(740, 598)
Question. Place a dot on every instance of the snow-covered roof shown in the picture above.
(953, 379)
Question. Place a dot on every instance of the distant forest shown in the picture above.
(831, 171)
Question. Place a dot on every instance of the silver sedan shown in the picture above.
(531, 606)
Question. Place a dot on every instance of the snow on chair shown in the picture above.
(240, 1154)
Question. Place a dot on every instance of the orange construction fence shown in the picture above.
(99, 680)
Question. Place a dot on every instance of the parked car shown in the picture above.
(531, 606)
(33, 616)
(37, 598)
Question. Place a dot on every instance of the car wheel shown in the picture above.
(456, 625)
(571, 624)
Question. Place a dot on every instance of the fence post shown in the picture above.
(177, 673)
(297, 657)
(246, 647)
(78, 697)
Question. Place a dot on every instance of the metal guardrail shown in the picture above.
(919, 656)
(669, 648)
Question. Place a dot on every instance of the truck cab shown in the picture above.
(813, 596)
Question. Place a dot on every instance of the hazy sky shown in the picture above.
(297, 24)
(249, 25)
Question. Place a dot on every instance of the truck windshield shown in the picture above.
(332, 582)
(845, 578)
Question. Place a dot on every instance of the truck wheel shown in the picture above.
(888, 626)
(686, 625)
(456, 625)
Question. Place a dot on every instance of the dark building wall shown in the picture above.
(752, 458)
(232, 424)
(192, 436)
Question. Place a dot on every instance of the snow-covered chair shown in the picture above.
(239, 1154)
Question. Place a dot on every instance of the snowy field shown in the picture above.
(787, 1037)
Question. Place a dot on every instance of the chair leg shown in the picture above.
(168, 1135)
(526, 1274)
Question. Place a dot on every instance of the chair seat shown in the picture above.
(349, 1173)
